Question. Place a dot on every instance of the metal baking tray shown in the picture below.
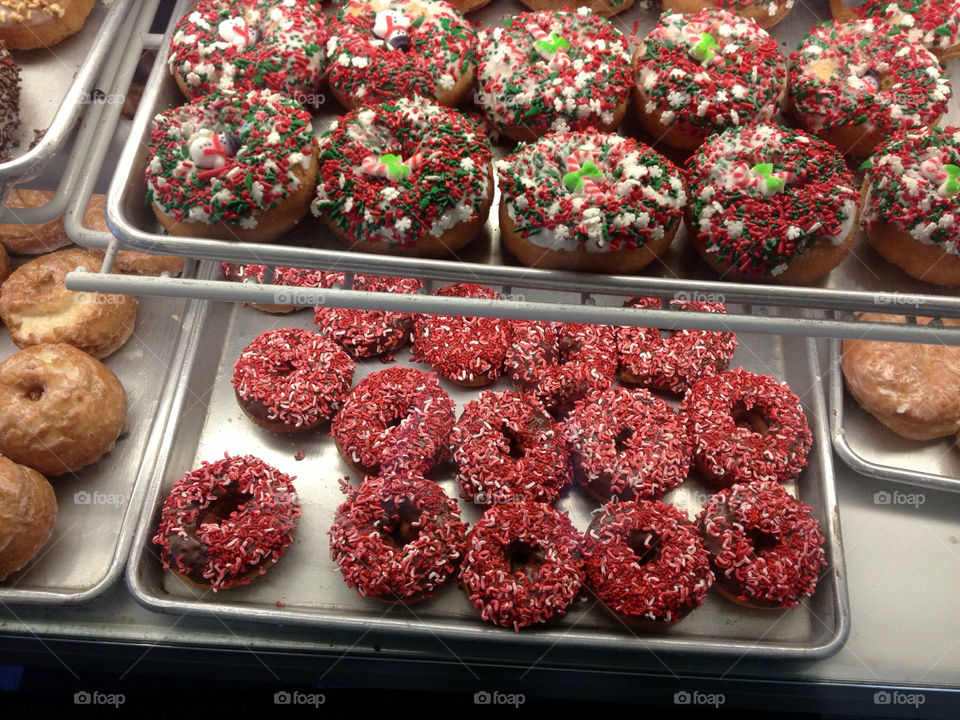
(304, 587)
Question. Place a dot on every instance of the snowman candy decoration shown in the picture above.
(210, 151)
(393, 27)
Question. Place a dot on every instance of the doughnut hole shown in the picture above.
(762, 541)
(525, 559)
(402, 526)
(623, 438)
(222, 508)
(34, 391)
(645, 545)
(752, 419)
(516, 447)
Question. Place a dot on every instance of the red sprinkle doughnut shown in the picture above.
(645, 560)
(523, 564)
(746, 427)
(764, 545)
(227, 522)
(298, 277)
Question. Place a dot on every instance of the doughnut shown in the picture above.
(765, 547)
(60, 408)
(290, 380)
(627, 444)
(30, 24)
(910, 388)
(227, 522)
(853, 84)
(397, 540)
(911, 211)
(933, 23)
(383, 50)
(746, 427)
(673, 363)
(247, 44)
(281, 276)
(468, 351)
(37, 307)
(28, 510)
(9, 103)
(589, 201)
(771, 204)
(406, 178)
(523, 564)
(23, 239)
(506, 449)
(646, 561)
(398, 413)
(553, 70)
(699, 74)
(232, 166)
(561, 362)
(766, 13)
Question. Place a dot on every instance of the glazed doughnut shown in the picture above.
(406, 178)
(29, 24)
(248, 161)
(746, 427)
(60, 408)
(554, 70)
(766, 13)
(397, 539)
(764, 545)
(646, 561)
(675, 362)
(290, 380)
(627, 445)
(910, 388)
(699, 74)
(934, 23)
(383, 50)
(523, 564)
(855, 83)
(589, 201)
(28, 510)
(506, 449)
(37, 307)
(297, 277)
(772, 204)
(227, 522)
(31, 239)
(127, 262)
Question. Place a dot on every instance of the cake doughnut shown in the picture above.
(675, 362)
(232, 166)
(60, 408)
(746, 427)
(406, 178)
(383, 50)
(247, 44)
(589, 201)
(398, 540)
(699, 74)
(23, 239)
(9, 104)
(37, 307)
(765, 13)
(297, 277)
(853, 84)
(646, 561)
(771, 204)
(227, 522)
(523, 564)
(765, 546)
(553, 70)
(627, 444)
(30, 24)
(506, 449)
(28, 510)
(934, 23)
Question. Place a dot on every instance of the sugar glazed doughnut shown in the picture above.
(934, 23)
(554, 70)
(773, 204)
(23, 239)
(408, 178)
(297, 277)
(29, 24)
(232, 166)
(227, 522)
(855, 83)
(766, 13)
(28, 510)
(765, 546)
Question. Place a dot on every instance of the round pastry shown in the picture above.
(699, 74)
(406, 178)
(911, 209)
(646, 561)
(855, 83)
(746, 427)
(25, 239)
(227, 522)
(934, 23)
(37, 307)
(675, 362)
(296, 277)
(764, 545)
(127, 262)
(9, 103)
(553, 70)
(766, 13)
(28, 510)
(29, 24)
(507, 449)
(627, 445)
(397, 540)
(60, 408)
(771, 204)
(523, 564)
(247, 44)
(232, 166)
(382, 50)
